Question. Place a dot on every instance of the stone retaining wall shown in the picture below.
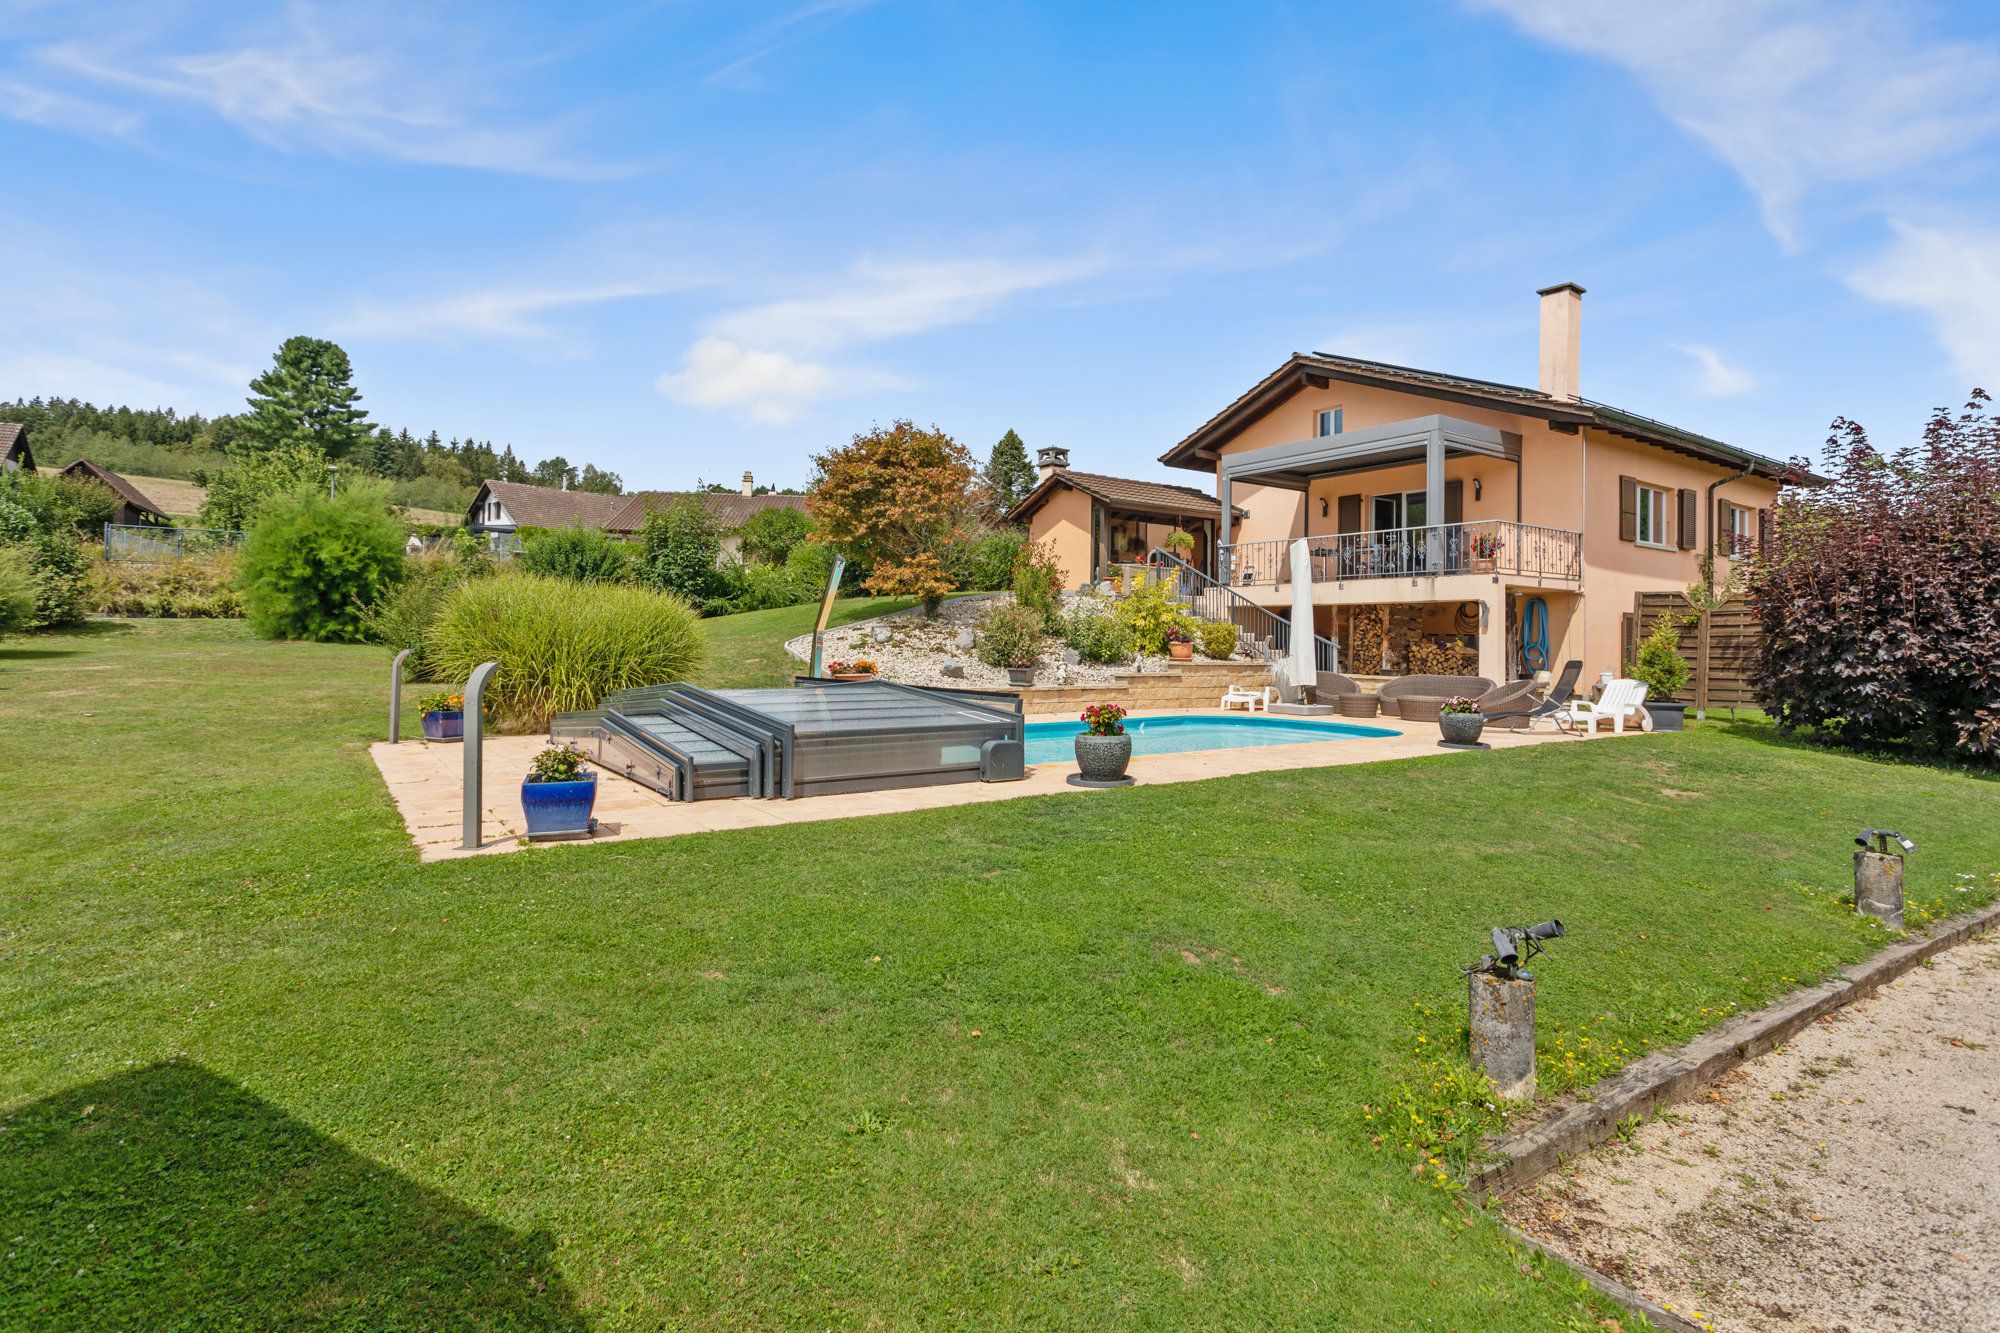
(1193, 687)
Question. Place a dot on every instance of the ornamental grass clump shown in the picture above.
(562, 645)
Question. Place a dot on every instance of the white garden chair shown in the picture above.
(1248, 700)
(1621, 699)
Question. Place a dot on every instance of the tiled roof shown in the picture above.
(13, 438)
(729, 509)
(1316, 368)
(83, 467)
(548, 507)
(1153, 497)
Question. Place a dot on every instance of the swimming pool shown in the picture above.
(1050, 742)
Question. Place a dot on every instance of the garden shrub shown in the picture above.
(239, 492)
(679, 546)
(588, 555)
(201, 587)
(1037, 583)
(1009, 635)
(1149, 608)
(561, 645)
(59, 571)
(17, 590)
(1096, 634)
(809, 566)
(770, 534)
(1878, 594)
(761, 586)
(1659, 665)
(989, 560)
(403, 618)
(1216, 638)
(312, 564)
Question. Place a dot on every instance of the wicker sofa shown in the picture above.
(1439, 687)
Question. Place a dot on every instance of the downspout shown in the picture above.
(1708, 579)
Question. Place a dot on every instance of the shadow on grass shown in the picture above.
(1760, 729)
(50, 643)
(171, 1197)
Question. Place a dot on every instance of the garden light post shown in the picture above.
(332, 475)
(1500, 1008)
(396, 697)
(1878, 875)
(475, 731)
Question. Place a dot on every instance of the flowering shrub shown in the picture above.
(1175, 633)
(1104, 719)
(1877, 594)
(1485, 545)
(561, 763)
(1459, 703)
(860, 666)
(441, 702)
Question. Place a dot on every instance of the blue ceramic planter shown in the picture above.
(559, 807)
(442, 726)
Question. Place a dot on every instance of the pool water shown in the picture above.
(1051, 742)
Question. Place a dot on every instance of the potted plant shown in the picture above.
(1460, 721)
(1021, 671)
(444, 716)
(1663, 671)
(1180, 644)
(861, 668)
(1485, 547)
(1179, 544)
(1103, 748)
(558, 793)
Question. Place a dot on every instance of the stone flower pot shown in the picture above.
(1461, 728)
(1021, 675)
(1102, 758)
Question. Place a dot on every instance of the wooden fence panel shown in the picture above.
(1734, 640)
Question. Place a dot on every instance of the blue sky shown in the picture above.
(684, 239)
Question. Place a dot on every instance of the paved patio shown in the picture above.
(427, 784)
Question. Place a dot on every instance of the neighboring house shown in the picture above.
(14, 452)
(1458, 508)
(1093, 522)
(133, 507)
(503, 507)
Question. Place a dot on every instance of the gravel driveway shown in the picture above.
(1849, 1180)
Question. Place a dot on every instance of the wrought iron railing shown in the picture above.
(1259, 630)
(1493, 546)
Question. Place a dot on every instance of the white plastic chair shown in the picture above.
(1621, 699)
(1249, 700)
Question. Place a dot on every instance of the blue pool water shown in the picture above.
(1050, 742)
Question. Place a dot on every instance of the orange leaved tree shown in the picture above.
(899, 501)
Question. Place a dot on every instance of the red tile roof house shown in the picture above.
(502, 508)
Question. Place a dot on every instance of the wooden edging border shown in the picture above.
(1667, 1077)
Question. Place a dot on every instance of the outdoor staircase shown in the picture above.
(1260, 632)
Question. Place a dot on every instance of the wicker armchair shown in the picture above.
(1444, 687)
(1514, 699)
(1328, 686)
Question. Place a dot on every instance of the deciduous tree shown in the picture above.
(900, 501)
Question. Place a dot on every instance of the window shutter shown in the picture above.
(1722, 529)
(1686, 507)
(1350, 514)
(1763, 529)
(1454, 502)
(1628, 509)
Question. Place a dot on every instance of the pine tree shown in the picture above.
(1008, 474)
(308, 398)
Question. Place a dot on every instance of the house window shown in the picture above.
(1327, 421)
(1405, 510)
(1741, 538)
(1655, 519)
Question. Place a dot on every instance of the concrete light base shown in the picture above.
(1878, 887)
(1502, 1015)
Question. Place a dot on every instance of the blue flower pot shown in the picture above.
(559, 807)
(444, 726)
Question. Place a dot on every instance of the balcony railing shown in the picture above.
(1519, 550)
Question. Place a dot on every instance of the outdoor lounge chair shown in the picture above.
(1554, 706)
(1438, 687)
(1621, 699)
(1328, 686)
(1249, 700)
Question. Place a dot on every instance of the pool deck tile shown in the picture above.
(425, 782)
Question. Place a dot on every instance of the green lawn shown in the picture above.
(750, 649)
(1103, 1060)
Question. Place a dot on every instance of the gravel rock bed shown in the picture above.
(911, 650)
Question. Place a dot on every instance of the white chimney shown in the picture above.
(749, 484)
(1050, 460)
(1562, 339)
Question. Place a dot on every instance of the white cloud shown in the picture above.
(1795, 95)
(499, 312)
(1717, 378)
(880, 300)
(56, 110)
(1953, 277)
(770, 388)
(343, 81)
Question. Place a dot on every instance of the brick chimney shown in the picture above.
(1562, 332)
(1050, 460)
(749, 484)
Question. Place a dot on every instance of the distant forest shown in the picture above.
(427, 472)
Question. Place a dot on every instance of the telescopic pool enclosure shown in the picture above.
(818, 737)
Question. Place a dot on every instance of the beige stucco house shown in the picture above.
(1095, 523)
(1518, 523)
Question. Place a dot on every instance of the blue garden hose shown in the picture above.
(1535, 635)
